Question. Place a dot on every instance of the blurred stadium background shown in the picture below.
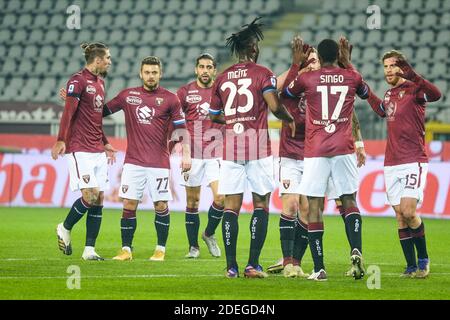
(38, 53)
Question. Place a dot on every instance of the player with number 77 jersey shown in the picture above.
(329, 146)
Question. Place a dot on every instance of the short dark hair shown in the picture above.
(242, 41)
(393, 54)
(208, 56)
(93, 50)
(328, 50)
(152, 60)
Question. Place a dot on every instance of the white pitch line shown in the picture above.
(121, 276)
(367, 263)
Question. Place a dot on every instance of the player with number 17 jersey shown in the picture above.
(330, 94)
(238, 91)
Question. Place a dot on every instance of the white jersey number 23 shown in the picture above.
(243, 84)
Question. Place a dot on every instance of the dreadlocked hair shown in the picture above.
(239, 42)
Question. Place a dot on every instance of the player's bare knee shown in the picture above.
(90, 196)
(192, 201)
(160, 205)
(290, 207)
(219, 199)
(130, 204)
(100, 198)
(348, 200)
(408, 212)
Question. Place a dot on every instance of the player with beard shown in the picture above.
(82, 139)
(294, 217)
(406, 161)
(240, 98)
(206, 153)
(149, 111)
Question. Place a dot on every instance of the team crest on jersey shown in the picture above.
(401, 94)
(286, 184)
(86, 178)
(159, 101)
(124, 188)
(134, 100)
(91, 89)
(145, 114)
(193, 98)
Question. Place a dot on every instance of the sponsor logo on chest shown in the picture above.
(193, 98)
(91, 89)
(134, 100)
(145, 114)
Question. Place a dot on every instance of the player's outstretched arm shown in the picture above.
(106, 110)
(376, 104)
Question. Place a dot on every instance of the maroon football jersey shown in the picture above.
(85, 129)
(195, 102)
(405, 115)
(290, 147)
(238, 91)
(330, 94)
(147, 118)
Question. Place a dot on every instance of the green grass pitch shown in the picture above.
(32, 267)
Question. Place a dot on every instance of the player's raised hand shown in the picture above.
(361, 156)
(406, 70)
(345, 52)
(300, 52)
(110, 153)
(59, 148)
(62, 94)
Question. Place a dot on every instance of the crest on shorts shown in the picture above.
(186, 176)
(124, 188)
(159, 101)
(286, 184)
(86, 178)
